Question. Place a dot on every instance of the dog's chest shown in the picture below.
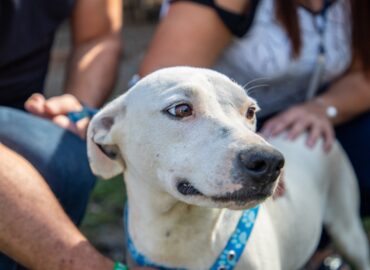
(191, 246)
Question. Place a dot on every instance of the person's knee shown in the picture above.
(57, 154)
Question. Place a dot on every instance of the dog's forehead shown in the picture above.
(191, 82)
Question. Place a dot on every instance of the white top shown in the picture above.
(266, 52)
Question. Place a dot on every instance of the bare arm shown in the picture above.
(96, 27)
(190, 34)
(350, 95)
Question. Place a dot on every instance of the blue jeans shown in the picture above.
(354, 136)
(58, 155)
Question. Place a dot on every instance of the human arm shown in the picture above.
(34, 230)
(93, 63)
(350, 95)
(96, 48)
(190, 34)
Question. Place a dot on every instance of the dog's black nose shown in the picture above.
(262, 164)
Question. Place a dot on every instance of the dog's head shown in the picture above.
(191, 133)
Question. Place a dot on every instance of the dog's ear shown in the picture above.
(104, 155)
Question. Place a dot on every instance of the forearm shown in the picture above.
(34, 229)
(92, 69)
(350, 95)
(201, 40)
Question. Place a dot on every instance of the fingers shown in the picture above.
(59, 105)
(280, 123)
(64, 122)
(35, 104)
(297, 129)
(56, 109)
(329, 137)
(273, 127)
(79, 128)
(314, 134)
(62, 105)
(322, 130)
(298, 120)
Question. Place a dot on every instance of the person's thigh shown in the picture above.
(355, 139)
(57, 154)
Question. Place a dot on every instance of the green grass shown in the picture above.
(106, 204)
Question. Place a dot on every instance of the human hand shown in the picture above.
(56, 109)
(309, 117)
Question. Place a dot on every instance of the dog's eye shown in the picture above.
(251, 112)
(180, 110)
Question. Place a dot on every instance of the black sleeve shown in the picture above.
(238, 24)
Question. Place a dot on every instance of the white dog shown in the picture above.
(185, 140)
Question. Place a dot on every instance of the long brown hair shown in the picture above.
(286, 11)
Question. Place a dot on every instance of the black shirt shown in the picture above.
(238, 24)
(27, 29)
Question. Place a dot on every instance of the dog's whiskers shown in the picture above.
(249, 92)
(261, 79)
(261, 82)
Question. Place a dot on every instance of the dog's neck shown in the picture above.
(159, 224)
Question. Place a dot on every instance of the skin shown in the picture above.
(311, 116)
(204, 38)
(25, 194)
(93, 64)
(39, 222)
(45, 237)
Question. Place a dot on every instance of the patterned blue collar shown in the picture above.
(227, 259)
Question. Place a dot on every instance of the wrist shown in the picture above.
(329, 109)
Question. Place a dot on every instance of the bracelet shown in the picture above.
(120, 266)
(330, 110)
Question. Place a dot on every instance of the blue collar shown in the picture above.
(227, 259)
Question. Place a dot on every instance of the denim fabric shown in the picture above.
(354, 136)
(58, 155)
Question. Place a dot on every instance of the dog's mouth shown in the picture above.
(187, 189)
(244, 195)
(239, 197)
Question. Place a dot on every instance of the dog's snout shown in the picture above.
(262, 164)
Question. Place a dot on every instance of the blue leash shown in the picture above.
(85, 112)
(227, 259)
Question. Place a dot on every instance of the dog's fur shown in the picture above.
(156, 151)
